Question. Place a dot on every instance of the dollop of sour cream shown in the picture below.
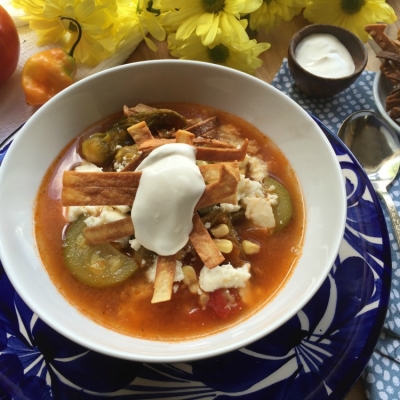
(324, 55)
(169, 189)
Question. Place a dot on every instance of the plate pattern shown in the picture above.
(318, 354)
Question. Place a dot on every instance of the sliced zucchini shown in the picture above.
(99, 265)
(283, 210)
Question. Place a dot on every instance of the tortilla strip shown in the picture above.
(377, 32)
(97, 196)
(202, 127)
(212, 172)
(203, 153)
(390, 56)
(395, 114)
(117, 188)
(109, 232)
(392, 102)
(151, 144)
(101, 179)
(140, 132)
(204, 245)
(222, 155)
(164, 280)
(184, 137)
(198, 141)
(221, 190)
(206, 142)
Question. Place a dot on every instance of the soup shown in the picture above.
(256, 244)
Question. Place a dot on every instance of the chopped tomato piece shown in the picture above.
(225, 302)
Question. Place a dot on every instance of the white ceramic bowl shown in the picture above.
(89, 100)
(381, 89)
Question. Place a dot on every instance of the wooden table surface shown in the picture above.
(272, 59)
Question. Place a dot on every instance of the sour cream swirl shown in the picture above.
(169, 189)
(324, 55)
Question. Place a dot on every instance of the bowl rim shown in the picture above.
(233, 345)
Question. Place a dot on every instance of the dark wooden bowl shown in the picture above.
(316, 86)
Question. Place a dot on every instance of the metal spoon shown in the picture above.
(376, 146)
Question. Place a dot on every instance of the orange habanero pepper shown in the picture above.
(49, 72)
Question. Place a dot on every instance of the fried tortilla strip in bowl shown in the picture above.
(52, 128)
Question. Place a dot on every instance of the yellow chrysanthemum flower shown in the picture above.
(272, 12)
(223, 51)
(353, 15)
(208, 18)
(148, 22)
(94, 17)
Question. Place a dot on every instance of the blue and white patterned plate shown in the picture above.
(319, 353)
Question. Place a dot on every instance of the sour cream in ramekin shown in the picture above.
(325, 56)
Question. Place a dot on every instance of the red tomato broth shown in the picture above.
(127, 307)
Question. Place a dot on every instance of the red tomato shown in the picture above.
(225, 302)
(9, 46)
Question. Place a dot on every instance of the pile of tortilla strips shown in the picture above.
(390, 67)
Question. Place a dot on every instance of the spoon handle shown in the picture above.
(394, 216)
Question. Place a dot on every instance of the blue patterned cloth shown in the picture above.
(382, 374)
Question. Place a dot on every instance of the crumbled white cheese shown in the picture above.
(257, 202)
(88, 167)
(271, 188)
(73, 212)
(257, 168)
(151, 272)
(273, 199)
(134, 243)
(249, 188)
(224, 277)
(230, 207)
(246, 188)
(119, 166)
(108, 214)
(259, 211)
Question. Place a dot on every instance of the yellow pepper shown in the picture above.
(49, 72)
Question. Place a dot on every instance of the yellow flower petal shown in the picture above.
(272, 12)
(334, 12)
(207, 19)
(223, 51)
(207, 27)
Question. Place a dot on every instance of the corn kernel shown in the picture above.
(249, 247)
(220, 230)
(189, 275)
(98, 266)
(224, 245)
(203, 299)
(190, 279)
(114, 263)
(194, 288)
